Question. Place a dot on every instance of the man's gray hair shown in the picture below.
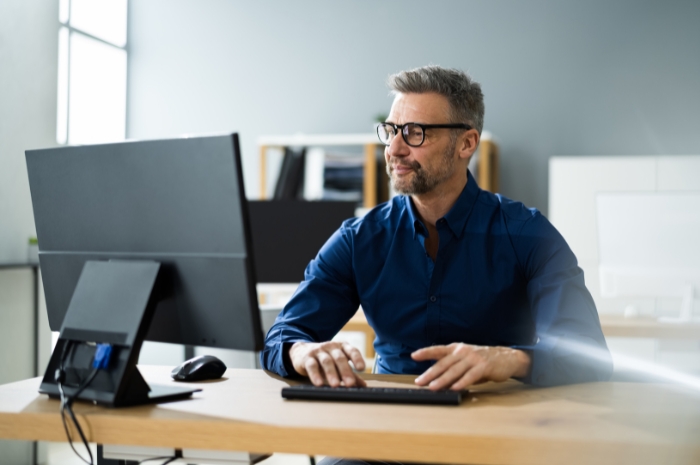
(462, 92)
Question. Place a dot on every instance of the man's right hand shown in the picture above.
(327, 362)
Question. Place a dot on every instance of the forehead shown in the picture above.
(429, 108)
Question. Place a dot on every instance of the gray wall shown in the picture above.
(28, 70)
(28, 61)
(560, 77)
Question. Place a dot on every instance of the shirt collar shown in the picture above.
(416, 224)
(456, 218)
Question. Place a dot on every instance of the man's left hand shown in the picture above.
(461, 365)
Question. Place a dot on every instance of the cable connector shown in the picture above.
(102, 356)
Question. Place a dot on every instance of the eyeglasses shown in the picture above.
(413, 133)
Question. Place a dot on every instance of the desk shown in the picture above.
(612, 325)
(508, 423)
(619, 326)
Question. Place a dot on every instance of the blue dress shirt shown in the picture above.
(503, 276)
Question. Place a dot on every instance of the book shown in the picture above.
(290, 183)
(343, 177)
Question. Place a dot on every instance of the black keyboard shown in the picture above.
(374, 394)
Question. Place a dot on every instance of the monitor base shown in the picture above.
(158, 394)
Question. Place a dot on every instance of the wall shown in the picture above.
(28, 61)
(561, 77)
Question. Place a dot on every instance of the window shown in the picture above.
(92, 60)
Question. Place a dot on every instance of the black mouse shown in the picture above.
(199, 369)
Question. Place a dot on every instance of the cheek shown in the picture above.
(422, 160)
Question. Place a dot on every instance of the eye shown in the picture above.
(386, 132)
(414, 133)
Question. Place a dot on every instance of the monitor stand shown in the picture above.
(113, 303)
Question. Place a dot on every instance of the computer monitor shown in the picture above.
(179, 204)
(648, 246)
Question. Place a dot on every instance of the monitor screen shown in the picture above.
(179, 202)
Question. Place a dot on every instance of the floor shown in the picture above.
(59, 453)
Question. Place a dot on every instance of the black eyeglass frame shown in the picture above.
(404, 130)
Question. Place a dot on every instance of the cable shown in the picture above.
(165, 457)
(168, 459)
(101, 360)
(68, 407)
(67, 401)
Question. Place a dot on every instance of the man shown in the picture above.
(460, 285)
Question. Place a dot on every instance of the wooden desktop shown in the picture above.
(612, 325)
(508, 423)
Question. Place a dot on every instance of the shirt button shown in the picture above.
(433, 298)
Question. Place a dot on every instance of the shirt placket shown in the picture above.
(434, 297)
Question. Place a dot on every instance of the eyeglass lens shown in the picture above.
(412, 133)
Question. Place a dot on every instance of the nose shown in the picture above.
(398, 147)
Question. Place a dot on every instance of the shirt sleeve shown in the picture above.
(320, 307)
(570, 346)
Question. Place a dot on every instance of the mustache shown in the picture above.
(413, 165)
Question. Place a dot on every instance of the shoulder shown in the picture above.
(515, 215)
(534, 239)
(516, 211)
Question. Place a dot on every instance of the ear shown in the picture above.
(468, 143)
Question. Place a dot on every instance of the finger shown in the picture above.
(329, 368)
(313, 371)
(437, 369)
(430, 353)
(474, 376)
(343, 366)
(355, 355)
(451, 375)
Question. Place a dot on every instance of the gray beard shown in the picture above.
(422, 181)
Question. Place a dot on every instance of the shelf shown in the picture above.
(317, 140)
(369, 141)
(487, 173)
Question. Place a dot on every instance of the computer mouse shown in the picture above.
(199, 369)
